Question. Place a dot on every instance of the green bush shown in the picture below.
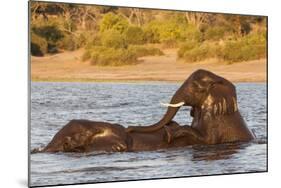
(215, 33)
(39, 46)
(167, 32)
(135, 35)
(113, 39)
(151, 32)
(193, 34)
(141, 51)
(103, 56)
(51, 33)
(112, 21)
(250, 47)
(91, 40)
(186, 47)
(69, 42)
(200, 52)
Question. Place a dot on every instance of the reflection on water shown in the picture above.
(54, 104)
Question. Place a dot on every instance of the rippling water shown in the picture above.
(54, 104)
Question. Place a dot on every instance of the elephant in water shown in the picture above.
(216, 120)
(87, 136)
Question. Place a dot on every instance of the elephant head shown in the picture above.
(204, 90)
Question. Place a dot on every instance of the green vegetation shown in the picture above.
(249, 47)
(39, 46)
(110, 56)
(200, 52)
(104, 56)
(113, 39)
(215, 33)
(135, 35)
(140, 50)
(112, 21)
(246, 48)
(119, 36)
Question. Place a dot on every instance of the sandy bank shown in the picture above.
(67, 66)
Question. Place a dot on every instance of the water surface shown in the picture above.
(54, 104)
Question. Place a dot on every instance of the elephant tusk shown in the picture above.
(172, 105)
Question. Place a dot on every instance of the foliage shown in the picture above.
(135, 35)
(90, 39)
(68, 43)
(104, 56)
(187, 46)
(247, 48)
(50, 32)
(39, 46)
(141, 51)
(151, 32)
(111, 21)
(165, 32)
(57, 27)
(201, 52)
(215, 33)
(113, 39)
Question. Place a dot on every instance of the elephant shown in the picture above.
(216, 120)
(213, 101)
(86, 136)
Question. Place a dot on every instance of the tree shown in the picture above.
(196, 18)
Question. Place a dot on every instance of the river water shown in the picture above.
(54, 104)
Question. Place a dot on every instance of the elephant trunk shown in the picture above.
(175, 104)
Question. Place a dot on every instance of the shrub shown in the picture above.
(39, 46)
(192, 34)
(194, 53)
(69, 42)
(91, 40)
(215, 33)
(167, 32)
(247, 48)
(112, 21)
(135, 35)
(186, 47)
(141, 51)
(170, 31)
(51, 33)
(103, 56)
(151, 32)
(113, 39)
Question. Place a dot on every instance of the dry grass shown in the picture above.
(68, 66)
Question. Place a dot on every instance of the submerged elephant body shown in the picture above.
(86, 136)
(216, 120)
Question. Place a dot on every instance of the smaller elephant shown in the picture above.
(87, 136)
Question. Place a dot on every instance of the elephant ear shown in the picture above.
(221, 98)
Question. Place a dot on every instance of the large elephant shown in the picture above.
(216, 119)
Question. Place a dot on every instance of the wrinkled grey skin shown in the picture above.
(216, 120)
(87, 136)
(214, 108)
